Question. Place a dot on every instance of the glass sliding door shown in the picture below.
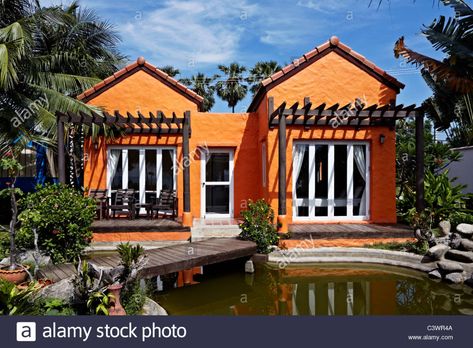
(330, 181)
(144, 169)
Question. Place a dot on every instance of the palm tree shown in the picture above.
(47, 57)
(261, 71)
(170, 70)
(451, 79)
(202, 85)
(232, 89)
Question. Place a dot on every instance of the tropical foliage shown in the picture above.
(48, 55)
(261, 71)
(203, 86)
(232, 88)
(451, 79)
(258, 226)
(61, 216)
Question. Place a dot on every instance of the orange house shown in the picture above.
(317, 141)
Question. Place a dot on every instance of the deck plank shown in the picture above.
(170, 259)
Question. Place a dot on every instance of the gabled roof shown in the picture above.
(140, 64)
(332, 45)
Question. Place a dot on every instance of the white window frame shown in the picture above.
(331, 184)
(142, 163)
(204, 183)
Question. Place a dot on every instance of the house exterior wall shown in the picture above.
(462, 169)
(331, 79)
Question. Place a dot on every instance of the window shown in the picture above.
(331, 180)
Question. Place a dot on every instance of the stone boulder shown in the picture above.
(109, 275)
(446, 267)
(151, 307)
(460, 256)
(454, 278)
(63, 289)
(444, 227)
(465, 230)
(455, 240)
(466, 245)
(438, 251)
(435, 274)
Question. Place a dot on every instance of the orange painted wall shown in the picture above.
(332, 79)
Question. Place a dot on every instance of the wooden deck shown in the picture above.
(332, 231)
(138, 225)
(169, 259)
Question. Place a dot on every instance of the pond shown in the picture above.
(329, 289)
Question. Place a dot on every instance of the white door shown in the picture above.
(217, 183)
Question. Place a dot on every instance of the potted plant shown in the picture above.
(13, 272)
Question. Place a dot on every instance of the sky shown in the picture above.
(198, 35)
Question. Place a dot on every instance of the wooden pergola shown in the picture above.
(156, 124)
(336, 116)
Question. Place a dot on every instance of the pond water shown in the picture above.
(332, 289)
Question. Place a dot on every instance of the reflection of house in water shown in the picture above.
(312, 290)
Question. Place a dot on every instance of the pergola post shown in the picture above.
(187, 216)
(61, 160)
(282, 219)
(420, 203)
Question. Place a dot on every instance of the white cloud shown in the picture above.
(190, 32)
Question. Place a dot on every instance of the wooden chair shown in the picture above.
(101, 199)
(124, 203)
(166, 203)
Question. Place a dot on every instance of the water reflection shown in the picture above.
(310, 290)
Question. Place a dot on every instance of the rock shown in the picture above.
(466, 311)
(29, 256)
(437, 252)
(466, 244)
(454, 278)
(469, 282)
(444, 227)
(435, 274)
(151, 307)
(460, 256)
(465, 230)
(63, 289)
(455, 240)
(443, 240)
(446, 267)
(249, 267)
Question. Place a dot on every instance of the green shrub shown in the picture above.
(460, 218)
(62, 217)
(55, 306)
(17, 302)
(133, 299)
(258, 225)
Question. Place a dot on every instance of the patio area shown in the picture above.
(138, 225)
(349, 231)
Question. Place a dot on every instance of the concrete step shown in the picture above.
(213, 229)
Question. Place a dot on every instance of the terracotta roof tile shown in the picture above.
(288, 68)
(141, 63)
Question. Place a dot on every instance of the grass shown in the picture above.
(419, 247)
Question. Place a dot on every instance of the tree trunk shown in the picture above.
(14, 212)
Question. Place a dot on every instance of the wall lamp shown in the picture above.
(382, 138)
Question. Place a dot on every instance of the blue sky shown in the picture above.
(197, 35)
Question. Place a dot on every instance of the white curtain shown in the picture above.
(298, 159)
(360, 161)
(113, 159)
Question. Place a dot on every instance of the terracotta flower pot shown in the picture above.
(16, 276)
(116, 308)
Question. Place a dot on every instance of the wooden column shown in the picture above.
(420, 203)
(61, 160)
(282, 220)
(187, 216)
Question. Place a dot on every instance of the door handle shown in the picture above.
(203, 184)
